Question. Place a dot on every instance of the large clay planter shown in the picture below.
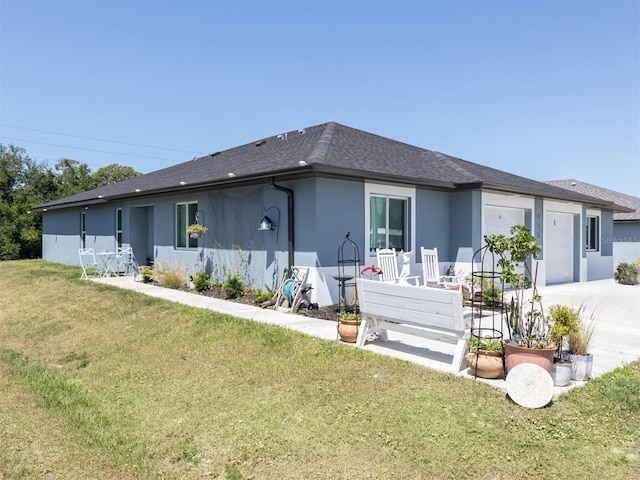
(485, 364)
(515, 355)
(582, 365)
(348, 331)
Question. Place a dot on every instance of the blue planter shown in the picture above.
(582, 365)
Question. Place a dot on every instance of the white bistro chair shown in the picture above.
(90, 267)
(126, 260)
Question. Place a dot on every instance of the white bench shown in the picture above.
(423, 311)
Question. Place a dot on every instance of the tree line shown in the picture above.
(25, 183)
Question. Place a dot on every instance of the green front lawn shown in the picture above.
(101, 383)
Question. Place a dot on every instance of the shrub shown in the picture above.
(233, 287)
(201, 281)
(147, 274)
(264, 295)
(564, 321)
(487, 343)
(491, 293)
(627, 273)
(171, 276)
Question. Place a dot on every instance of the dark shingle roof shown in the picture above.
(326, 149)
(618, 198)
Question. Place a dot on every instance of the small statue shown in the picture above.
(406, 266)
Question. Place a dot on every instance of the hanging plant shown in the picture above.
(195, 230)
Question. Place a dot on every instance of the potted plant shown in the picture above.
(526, 324)
(578, 345)
(564, 321)
(195, 230)
(485, 357)
(348, 326)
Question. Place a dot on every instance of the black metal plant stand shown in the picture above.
(486, 319)
(348, 272)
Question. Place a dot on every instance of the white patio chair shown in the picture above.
(88, 262)
(126, 260)
(388, 263)
(431, 271)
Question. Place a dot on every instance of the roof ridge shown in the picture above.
(455, 164)
(320, 150)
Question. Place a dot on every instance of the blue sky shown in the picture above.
(543, 89)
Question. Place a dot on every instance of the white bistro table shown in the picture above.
(106, 263)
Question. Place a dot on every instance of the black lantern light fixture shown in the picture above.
(266, 224)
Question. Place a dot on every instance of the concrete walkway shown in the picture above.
(615, 309)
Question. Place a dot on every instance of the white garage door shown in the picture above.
(558, 247)
(499, 220)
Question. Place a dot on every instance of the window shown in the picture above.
(387, 222)
(185, 216)
(592, 234)
(119, 227)
(83, 229)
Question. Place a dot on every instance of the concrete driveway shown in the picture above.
(614, 308)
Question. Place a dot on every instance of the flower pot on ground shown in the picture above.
(526, 323)
(581, 366)
(561, 371)
(348, 327)
(563, 321)
(515, 354)
(578, 349)
(485, 357)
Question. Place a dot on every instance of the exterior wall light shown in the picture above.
(266, 224)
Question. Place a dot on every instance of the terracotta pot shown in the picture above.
(485, 364)
(561, 374)
(348, 331)
(582, 365)
(515, 355)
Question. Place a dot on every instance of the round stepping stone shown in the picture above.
(529, 385)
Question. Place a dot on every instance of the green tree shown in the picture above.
(73, 177)
(25, 183)
(111, 174)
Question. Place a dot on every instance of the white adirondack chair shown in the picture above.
(388, 263)
(431, 271)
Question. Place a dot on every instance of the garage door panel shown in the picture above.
(498, 221)
(558, 247)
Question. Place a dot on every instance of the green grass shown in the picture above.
(97, 382)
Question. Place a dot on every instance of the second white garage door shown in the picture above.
(558, 247)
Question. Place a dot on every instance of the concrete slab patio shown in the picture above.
(614, 308)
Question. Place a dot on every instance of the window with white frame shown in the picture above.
(592, 234)
(185, 216)
(389, 217)
(119, 227)
(83, 229)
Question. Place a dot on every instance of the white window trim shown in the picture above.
(593, 214)
(175, 224)
(391, 191)
(119, 230)
(83, 229)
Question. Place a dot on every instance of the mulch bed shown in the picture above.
(331, 312)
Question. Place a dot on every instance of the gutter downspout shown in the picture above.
(289, 193)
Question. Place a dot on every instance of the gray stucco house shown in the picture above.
(626, 225)
(316, 184)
